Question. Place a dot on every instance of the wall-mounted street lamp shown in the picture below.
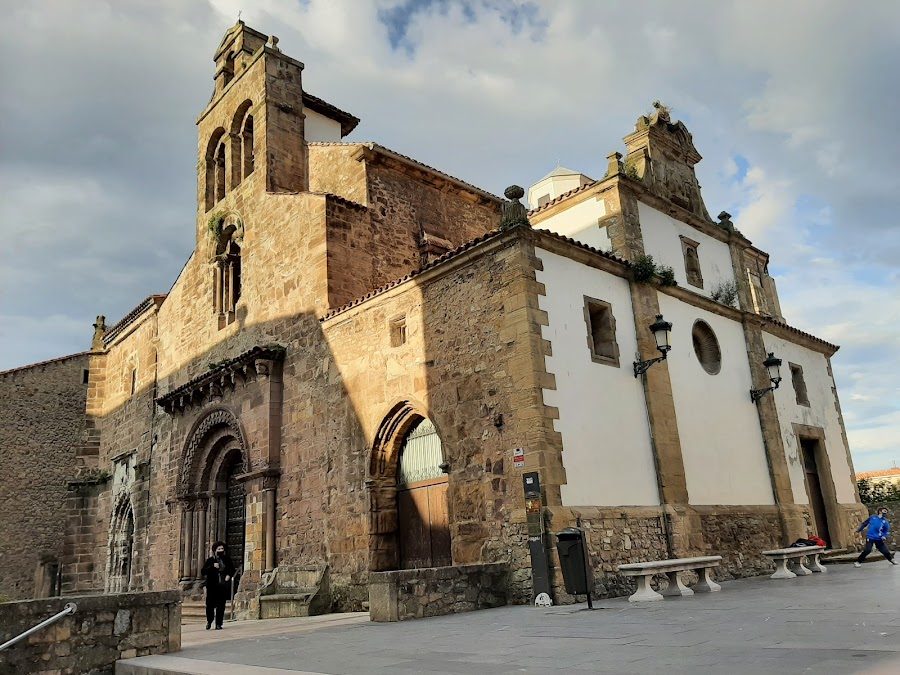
(660, 329)
(773, 366)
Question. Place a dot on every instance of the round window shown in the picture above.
(706, 347)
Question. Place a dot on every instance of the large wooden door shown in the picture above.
(235, 516)
(814, 489)
(423, 521)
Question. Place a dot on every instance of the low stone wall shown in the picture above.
(740, 537)
(413, 594)
(104, 629)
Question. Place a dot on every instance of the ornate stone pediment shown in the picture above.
(662, 155)
(225, 376)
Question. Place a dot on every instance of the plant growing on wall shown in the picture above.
(644, 270)
(666, 275)
(726, 293)
(214, 226)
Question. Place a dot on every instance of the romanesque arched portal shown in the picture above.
(212, 492)
(409, 523)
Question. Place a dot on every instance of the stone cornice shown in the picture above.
(152, 302)
(225, 375)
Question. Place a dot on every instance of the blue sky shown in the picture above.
(791, 105)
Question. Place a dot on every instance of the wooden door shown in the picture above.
(814, 489)
(422, 514)
(423, 525)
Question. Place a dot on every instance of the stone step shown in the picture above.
(176, 665)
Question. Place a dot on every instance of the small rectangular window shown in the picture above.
(85, 376)
(760, 305)
(799, 384)
(398, 331)
(133, 379)
(543, 200)
(601, 327)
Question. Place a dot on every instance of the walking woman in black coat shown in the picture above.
(218, 570)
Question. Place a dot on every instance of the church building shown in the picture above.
(364, 356)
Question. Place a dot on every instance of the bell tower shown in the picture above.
(251, 135)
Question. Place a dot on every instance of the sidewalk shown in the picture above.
(844, 621)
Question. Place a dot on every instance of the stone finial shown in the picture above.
(725, 221)
(615, 164)
(663, 112)
(273, 43)
(99, 330)
(513, 212)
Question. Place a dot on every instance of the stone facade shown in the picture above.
(103, 629)
(340, 295)
(41, 417)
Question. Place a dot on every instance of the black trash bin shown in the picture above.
(574, 562)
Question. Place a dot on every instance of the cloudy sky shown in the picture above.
(793, 105)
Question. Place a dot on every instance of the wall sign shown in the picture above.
(519, 458)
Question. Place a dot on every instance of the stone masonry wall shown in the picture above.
(41, 415)
(103, 629)
(414, 594)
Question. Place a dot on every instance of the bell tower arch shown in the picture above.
(251, 134)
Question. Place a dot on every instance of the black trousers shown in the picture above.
(215, 605)
(877, 543)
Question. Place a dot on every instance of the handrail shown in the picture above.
(70, 608)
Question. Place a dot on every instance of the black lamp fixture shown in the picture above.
(773, 366)
(660, 329)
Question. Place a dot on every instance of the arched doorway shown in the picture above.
(423, 525)
(409, 520)
(121, 548)
(212, 489)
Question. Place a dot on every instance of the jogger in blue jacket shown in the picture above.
(876, 535)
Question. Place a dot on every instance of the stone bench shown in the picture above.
(645, 572)
(789, 561)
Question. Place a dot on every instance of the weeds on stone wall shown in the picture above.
(644, 270)
(871, 492)
(726, 293)
(214, 226)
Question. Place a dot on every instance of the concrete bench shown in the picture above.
(789, 561)
(645, 571)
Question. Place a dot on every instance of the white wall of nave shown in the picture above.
(581, 222)
(721, 440)
(821, 412)
(661, 235)
(602, 416)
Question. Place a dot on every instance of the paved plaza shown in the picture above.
(845, 621)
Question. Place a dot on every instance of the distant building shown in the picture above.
(356, 360)
(881, 476)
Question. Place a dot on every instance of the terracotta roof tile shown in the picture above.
(348, 121)
(153, 300)
(563, 196)
(43, 363)
(881, 473)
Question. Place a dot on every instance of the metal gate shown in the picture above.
(424, 526)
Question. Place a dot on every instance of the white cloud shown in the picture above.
(98, 169)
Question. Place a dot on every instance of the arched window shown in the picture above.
(227, 279)
(121, 544)
(229, 68)
(215, 168)
(241, 134)
(220, 171)
(247, 145)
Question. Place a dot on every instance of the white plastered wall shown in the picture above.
(721, 440)
(662, 239)
(581, 222)
(319, 129)
(602, 416)
(554, 186)
(821, 412)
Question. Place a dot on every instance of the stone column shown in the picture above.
(195, 526)
(270, 527)
(187, 540)
(201, 543)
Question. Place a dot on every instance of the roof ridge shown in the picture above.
(43, 363)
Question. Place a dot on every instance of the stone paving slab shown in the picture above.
(843, 622)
